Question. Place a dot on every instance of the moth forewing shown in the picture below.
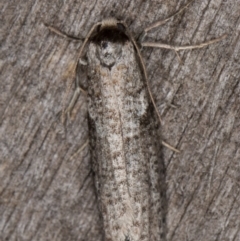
(124, 136)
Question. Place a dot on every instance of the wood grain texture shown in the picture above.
(46, 185)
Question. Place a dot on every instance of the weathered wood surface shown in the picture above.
(46, 185)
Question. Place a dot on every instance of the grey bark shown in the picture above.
(46, 185)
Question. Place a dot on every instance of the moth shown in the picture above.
(125, 140)
(124, 136)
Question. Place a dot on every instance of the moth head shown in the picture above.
(109, 39)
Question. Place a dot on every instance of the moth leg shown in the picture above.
(78, 89)
(172, 47)
(177, 48)
(73, 101)
(79, 150)
(75, 97)
(62, 34)
(170, 147)
(161, 22)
